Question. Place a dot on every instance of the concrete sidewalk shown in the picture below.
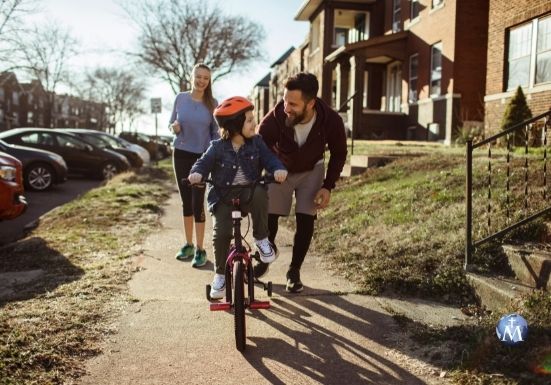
(325, 335)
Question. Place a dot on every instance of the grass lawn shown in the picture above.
(400, 228)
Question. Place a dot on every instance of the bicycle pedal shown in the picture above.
(260, 305)
(220, 306)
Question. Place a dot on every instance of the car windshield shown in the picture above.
(112, 141)
(96, 141)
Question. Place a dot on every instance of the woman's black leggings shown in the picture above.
(192, 198)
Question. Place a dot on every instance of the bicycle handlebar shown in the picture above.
(263, 180)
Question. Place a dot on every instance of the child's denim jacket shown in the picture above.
(221, 162)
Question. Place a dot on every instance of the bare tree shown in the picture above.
(177, 34)
(122, 92)
(44, 53)
(12, 13)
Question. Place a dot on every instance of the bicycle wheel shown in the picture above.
(250, 281)
(239, 305)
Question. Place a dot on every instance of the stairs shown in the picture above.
(532, 269)
(360, 163)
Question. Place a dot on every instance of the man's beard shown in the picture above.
(292, 120)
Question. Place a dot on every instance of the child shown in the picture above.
(237, 158)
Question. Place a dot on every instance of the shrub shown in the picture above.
(517, 111)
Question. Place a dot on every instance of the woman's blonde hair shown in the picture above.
(208, 99)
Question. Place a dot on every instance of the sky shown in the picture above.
(102, 28)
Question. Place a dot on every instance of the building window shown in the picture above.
(30, 117)
(437, 3)
(15, 98)
(396, 16)
(341, 36)
(414, 4)
(436, 70)
(413, 67)
(1, 94)
(519, 56)
(529, 54)
(543, 51)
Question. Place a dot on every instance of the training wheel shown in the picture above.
(269, 288)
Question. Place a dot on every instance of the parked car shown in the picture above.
(144, 154)
(12, 201)
(164, 145)
(41, 169)
(98, 139)
(80, 156)
(143, 140)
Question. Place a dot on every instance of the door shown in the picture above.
(394, 88)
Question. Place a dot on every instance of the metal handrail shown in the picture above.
(341, 108)
(469, 244)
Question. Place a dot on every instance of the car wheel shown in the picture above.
(109, 170)
(39, 177)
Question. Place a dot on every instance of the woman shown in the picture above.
(194, 127)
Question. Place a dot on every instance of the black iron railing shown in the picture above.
(343, 108)
(529, 185)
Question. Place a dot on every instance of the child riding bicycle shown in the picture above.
(237, 158)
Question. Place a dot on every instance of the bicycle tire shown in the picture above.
(250, 281)
(239, 305)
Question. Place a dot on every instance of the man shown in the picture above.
(297, 130)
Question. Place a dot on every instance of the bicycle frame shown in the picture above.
(239, 272)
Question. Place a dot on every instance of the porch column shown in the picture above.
(357, 63)
(343, 73)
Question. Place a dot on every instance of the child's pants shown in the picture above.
(222, 226)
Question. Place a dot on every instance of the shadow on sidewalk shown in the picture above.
(327, 356)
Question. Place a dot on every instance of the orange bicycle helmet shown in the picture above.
(233, 106)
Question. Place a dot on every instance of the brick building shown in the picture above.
(260, 97)
(10, 94)
(30, 105)
(519, 53)
(409, 69)
(33, 102)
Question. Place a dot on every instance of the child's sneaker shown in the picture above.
(218, 287)
(200, 258)
(265, 250)
(185, 252)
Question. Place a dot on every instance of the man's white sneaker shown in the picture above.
(218, 287)
(265, 250)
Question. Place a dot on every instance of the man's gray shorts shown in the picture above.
(304, 185)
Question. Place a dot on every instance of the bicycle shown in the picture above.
(240, 270)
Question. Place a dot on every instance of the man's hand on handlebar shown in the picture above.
(280, 176)
(195, 178)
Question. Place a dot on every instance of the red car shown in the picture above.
(12, 201)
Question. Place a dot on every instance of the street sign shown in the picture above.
(156, 107)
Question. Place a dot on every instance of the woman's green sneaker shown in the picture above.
(200, 258)
(185, 252)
